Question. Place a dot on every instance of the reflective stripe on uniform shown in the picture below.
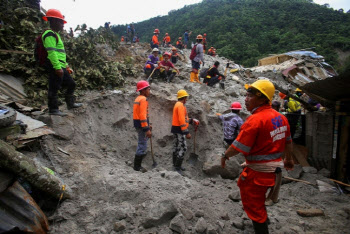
(241, 146)
(137, 103)
(264, 157)
(184, 125)
(54, 49)
(143, 121)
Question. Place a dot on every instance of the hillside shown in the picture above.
(245, 31)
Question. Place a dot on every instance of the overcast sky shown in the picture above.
(96, 13)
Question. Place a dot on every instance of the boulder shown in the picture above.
(311, 170)
(213, 167)
(160, 213)
(119, 226)
(324, 172)
(201, 225)
(177, 224)
(235, 196)
(296, 172)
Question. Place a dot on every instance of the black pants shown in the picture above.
(56, 83)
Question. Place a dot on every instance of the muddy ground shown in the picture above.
(110, 197)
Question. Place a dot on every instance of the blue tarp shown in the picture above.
(310, 54)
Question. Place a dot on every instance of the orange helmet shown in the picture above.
(167, 53)
(53, 13)
(199, 37)
(173, 49)
(148, 66)
(156, 30)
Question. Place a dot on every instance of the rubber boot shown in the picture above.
(196, 78)
(178, 165)
(53, 107)
(171, 77)
(137, 163)
(192, 77)
(260, 228)
(70, 100)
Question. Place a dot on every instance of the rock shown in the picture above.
(199, 213)
(37, 113)
(124, 210)
(177, 224)
(225, 216)
(119, 226)
(235, 196)
(232, 91)
(324, 172)
(296, 172)
(201, 225)
(206, 182)
(238, 223)
(211, 230)
(221, 224)
(188, 214)
(160, 212)
(103, 147)
(310, 212)
(213, 167)
(311, 170)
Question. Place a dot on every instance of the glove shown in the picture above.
(195, 122)
(218, 114)
(69, 70)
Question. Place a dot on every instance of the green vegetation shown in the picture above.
(93, 69)
(247, 30)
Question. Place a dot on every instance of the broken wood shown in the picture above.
(15, 52)
(300, 153)
(297, 180)
(32, 171)
(310, 212)
(339, 182)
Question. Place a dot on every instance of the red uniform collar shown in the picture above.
(261, 108)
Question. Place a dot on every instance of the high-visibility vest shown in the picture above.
(140, 113)
(180, 119)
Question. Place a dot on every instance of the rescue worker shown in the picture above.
(186, 38)
(231, 123)
(211, 51)
(197, 60)
(174, 55)
(71, 33)
(167, 69)
(179, 44)
(180, 130)
(122, 39)
(141, 123)
(263, 139)
(213, 75)
(276, 105)
(57, 67)
(155, 41)
(166, 40)
(152, 62)
(204, 42)
(294, 112)
(214, 52)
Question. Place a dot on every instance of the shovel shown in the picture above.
(148, 79)
(193, 156)
(154, 161)
(222, 82)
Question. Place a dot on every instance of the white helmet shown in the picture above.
(155, 50)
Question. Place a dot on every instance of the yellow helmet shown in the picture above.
(298, 90)
(265, 87)
(182, 93)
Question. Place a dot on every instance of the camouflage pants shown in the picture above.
(180, 145)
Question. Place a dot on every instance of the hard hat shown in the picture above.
(53, 13)
(265, 87)
(173, 48)
(148, 66)
(182, 93)
(236, 106)
(212, 47)
(141, 85)
(167, 53)
(180, 38)
(155, 50)
(199, 37)
(166, 34)
(204, 34)
(298, 90)
(156, 30)
(282, 95)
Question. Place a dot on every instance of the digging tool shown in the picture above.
(193, 156)
(149, 78)
(154, 161)
(222, 82)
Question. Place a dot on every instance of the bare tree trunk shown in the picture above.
(33, 172)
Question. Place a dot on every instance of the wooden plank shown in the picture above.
(300, 153)
(15, 52)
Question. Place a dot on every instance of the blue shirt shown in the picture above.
(231, 123)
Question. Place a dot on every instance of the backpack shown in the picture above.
(204, 72)
(40, 53)
(193, 52)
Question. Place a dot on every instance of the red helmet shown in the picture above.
(141, 85)
(156, 30)
(148, 66)
(236, 106)
(204, 34)
(53, 13)
(167, 53)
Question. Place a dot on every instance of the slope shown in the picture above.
(245, 31)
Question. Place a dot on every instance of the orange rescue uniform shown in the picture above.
(180, 119)
(155, 40)
(167, 39)
(140, 113)
(262, 139)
